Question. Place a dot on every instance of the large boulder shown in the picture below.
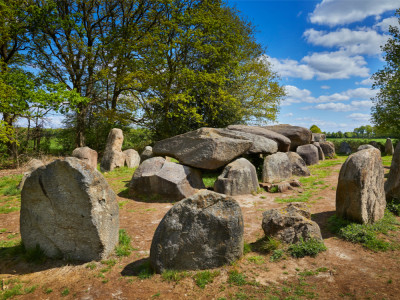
(69, 210)
(309, 153)
(146, 153)
(321, 155)
(366, 146)
(328, 148)
(31, 166)
(276, 167)
(299, 167)
(238, 178)
(392, 184)
(389, 150)
(290, 224)
(298, 135)
(318, 137)
(282, 141)
(345, 148)
(87, 155)
(360, 194)
(204, 231)
(113, 156)
(132, 158)
(204, 148)
(157, 177)
(260, 144)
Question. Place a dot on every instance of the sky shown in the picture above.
(325, 52)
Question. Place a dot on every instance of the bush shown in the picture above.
(393, 205)
(303, 248)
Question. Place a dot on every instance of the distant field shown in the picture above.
(383, 141)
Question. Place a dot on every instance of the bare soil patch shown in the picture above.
(344, 271)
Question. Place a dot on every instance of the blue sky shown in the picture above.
(325, 52)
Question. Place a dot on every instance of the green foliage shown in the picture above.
(209, 178)
(393, 205)
(367, 235)
(258, 260)
(277, 255)
(246, 248)
(315, 129)
(203, 278)
(124, 247)
(65, 292)
(310, 247)
(236, 278)
(174, 275)
(386, 109)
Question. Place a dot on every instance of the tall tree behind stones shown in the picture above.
(386, 109)
(205, 70)
(76, 45)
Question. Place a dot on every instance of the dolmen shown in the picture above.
(360, 194)
(69, 211)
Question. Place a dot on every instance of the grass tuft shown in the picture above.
(205, 277)
(236, 278)
(124, 247)
(303, 248)
(174, 275)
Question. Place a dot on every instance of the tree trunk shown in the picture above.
(80, 129)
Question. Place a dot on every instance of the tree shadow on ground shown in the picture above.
(140, 268)
(322, 220)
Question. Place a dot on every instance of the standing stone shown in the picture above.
(299, 167)
(32, 165)
(328, 148)
(298, 135)
(291, 224)
(389, 150)
(132, 158)
(392, 185)
(276, 167)
(345, 148)
(113, 156)
(87, 155)
(321, 155)
(309, 153)
(318, 137)
(204, 231)
(204, 148)
(363, 147)
(157, 177)
(147, 153)
(238, 178)
(68, 209)
(360, 192)
(282, 141)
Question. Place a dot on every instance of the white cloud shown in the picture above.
(339, 12)
(365, 41)
(296, 95)
(359, 117)
(341, 107)
(367, 81)
(325, 87)
(385, 23)
(336, 65)
(323, 66)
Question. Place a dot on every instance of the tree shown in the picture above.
(315, 129)
(205, 70)
(386, 109)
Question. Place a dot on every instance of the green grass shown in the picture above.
(303, 248)
(393, 205)
(372, 236)
(387, 160)
(10, 196)
(144, 271)
(303, 197)
(124, 247)
(277, 255)
(65, 292)
(258, 260)
(205, 277)
(174, 275)
(236, 278)
(209, 177)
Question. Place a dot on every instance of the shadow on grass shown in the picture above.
(322, 220)
(17, 260)
(140, 268)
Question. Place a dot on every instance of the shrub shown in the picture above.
(303, 248)
(393, 205)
